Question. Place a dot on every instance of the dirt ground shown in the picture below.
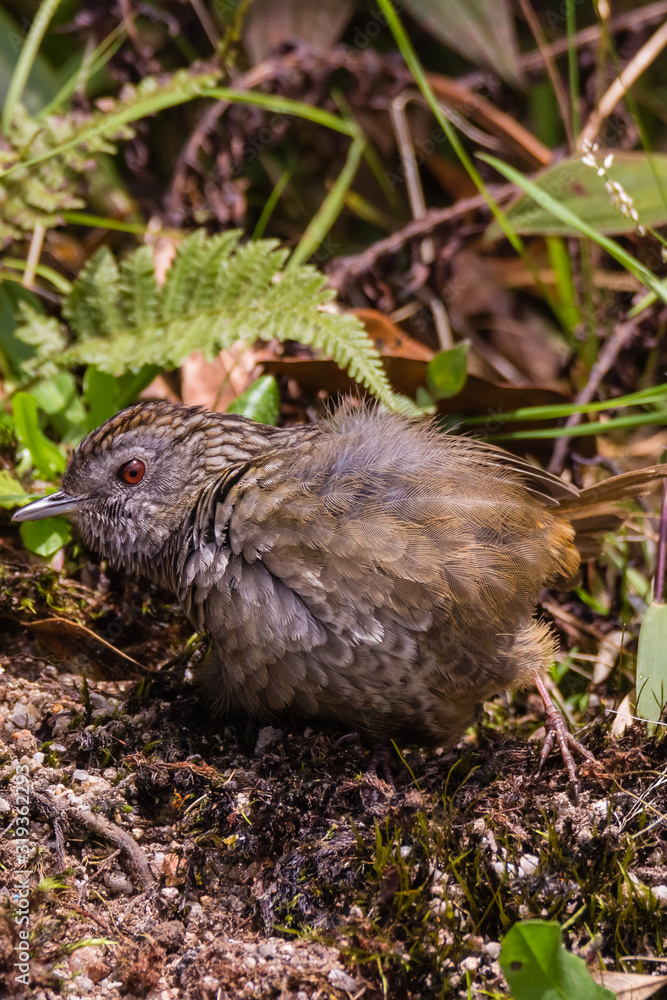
(173, 855)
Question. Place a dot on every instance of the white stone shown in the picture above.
(528, 864)
(340, 980)
(660, 893)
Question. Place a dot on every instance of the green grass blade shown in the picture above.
(26, 59)
(330, 208)
(652, 664)
(654, 394)
(544, 200)
(271, 203)
(283, 106)
(582, 430)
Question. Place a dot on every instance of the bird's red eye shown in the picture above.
(132, 472)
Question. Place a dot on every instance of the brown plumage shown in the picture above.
(369, 570)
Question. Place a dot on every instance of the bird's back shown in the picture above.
(378, 573)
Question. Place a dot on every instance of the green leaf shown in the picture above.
(561, 212)
(537, 966)
(138, 287)
(446, 372)
(577, 187)
(93, 307)
(13, 351)
(260, 401)
(59, 398)
(652, 663)
(104, 394)
(482, 30)
(45, 457)
(42, 81)
(217, 291)
(11, 492)
(44, 538)
(44, 334)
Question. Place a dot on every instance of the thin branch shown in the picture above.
(605, 361)
(634, 69)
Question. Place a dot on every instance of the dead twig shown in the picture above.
(634, 69)
(112, 833)
(605, 361)
(345, 268)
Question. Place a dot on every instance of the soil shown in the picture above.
(173, 855)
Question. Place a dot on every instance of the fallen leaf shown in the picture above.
(629, 985)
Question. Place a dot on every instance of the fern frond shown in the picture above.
(93, 306)
(139, 292)
(41, 163)
(45, 335)
(217, 291)
(186, 268)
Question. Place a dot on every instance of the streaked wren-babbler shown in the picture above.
(368, 570)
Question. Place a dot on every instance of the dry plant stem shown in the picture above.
(373, 64)
(556, 731)
(607, 358)
(345, 268)
(418, 207)
(632, 20)
(33, 255)
(206, 22)
(548, 58)
(114, 834)
(641, 61)
(659, 582)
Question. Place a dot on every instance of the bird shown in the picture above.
(367, 570)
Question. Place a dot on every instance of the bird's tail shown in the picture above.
(598, 509)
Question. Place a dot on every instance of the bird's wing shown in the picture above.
(384, 515)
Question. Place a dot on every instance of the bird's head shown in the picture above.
(131, 484)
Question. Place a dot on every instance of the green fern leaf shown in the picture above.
(93, 305)
(45, 335)
(41, 162)
(139, 292)
(211, 280)
(186, 269)
(217, 291)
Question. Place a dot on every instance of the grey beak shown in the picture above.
(56, 503)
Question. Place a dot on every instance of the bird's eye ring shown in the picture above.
(132, 472)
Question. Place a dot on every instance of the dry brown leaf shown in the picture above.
(389, 338)
(629, 985)
(608, 653)
(487, 115)
(624, 715)
(214, 384)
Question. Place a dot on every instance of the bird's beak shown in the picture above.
(55, 503)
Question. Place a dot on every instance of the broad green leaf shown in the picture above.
(44, 538)
(13, 351)
(579, 188)
(560, 211)
(104, 394)
(11, 492)
(260, 401)
(59, 398)
(481, 30)
(652, 663)
(537, 966)
(217, 291)
(446, 372)
(45, 456)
